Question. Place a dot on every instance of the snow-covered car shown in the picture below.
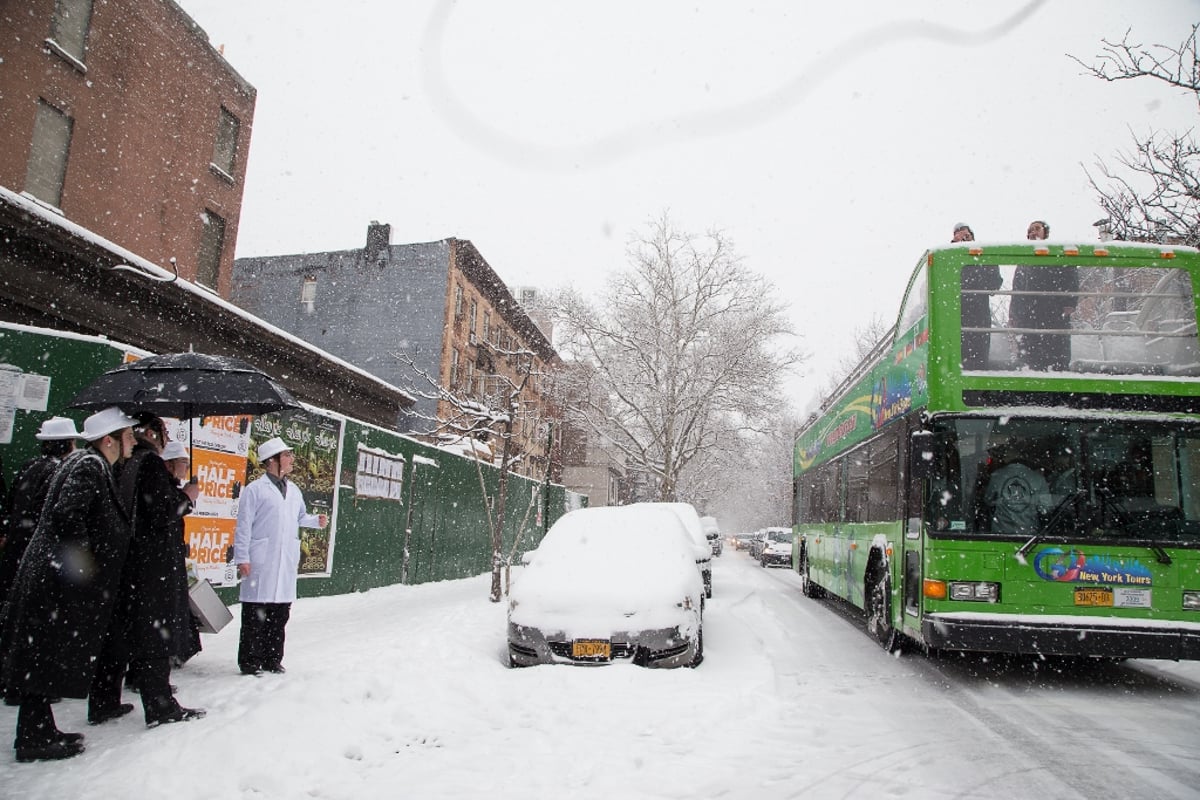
(777, 550)
(695, 529)
(609, 585)
(712, 532)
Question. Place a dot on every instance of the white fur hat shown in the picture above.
(102, 423)
(271, 447)
(57, 428)
(175, 450)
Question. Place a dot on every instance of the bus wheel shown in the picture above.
(809, 588)
(879, 614)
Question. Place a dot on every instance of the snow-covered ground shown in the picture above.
(403, 693)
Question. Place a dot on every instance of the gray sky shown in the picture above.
(833, 142)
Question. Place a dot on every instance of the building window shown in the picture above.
(225, 147)
(471, 319)
(47, 168)
(458, 301)
(470, 383)
(308, 292)
(453, 369)
(69, 27)
(212, 245)
(487, 326)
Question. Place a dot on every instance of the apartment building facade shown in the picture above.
(432, 318)
(120, 116)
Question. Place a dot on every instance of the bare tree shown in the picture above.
(1153, 191)
(500, 412)
(754, 488)
(681, 349)
(866, 337)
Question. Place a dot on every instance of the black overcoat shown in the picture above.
(155, 579)
(65, 592)
(29, 489)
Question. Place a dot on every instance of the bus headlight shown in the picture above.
(1191, 601)
(980, 591)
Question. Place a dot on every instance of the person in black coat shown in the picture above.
(154, 584)
(1054, 291)
(976, 308)
(62, 601)
(29, 488)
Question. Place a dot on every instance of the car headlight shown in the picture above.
(978, 591)
(1191, 601)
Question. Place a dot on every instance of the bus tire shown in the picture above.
(879, 613)
(809, 588)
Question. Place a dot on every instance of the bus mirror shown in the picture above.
(921, 454)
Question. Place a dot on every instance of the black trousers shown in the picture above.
(261, 643)
(35, 722)
(104, 695)
(153, 676)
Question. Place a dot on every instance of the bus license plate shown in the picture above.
(597, 649)
(1094, 597)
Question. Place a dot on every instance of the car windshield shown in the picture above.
(1103, 479)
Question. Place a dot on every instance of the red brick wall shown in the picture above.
(145, 119)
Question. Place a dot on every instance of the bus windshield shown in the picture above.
(1093, 320)
(1070, 478)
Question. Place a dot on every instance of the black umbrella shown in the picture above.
(186, 385)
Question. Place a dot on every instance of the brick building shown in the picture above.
(439, 304)
(121, 117)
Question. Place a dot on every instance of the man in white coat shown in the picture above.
(266, 549)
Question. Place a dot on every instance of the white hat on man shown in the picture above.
(174, 450)
(271, 447)
(57, 428)
(102, 423)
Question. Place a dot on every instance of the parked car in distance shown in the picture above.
(713, 532)
(608, 585)
(691, 522)
(777, 548)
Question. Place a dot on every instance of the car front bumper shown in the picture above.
(664, 647)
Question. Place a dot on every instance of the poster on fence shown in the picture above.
(316, 441)
(219, 448)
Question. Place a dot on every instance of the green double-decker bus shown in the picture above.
(1015, 467)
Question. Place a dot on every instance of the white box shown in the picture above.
(208, 608)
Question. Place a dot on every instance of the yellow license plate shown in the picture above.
(598, 649)
(1094, 597)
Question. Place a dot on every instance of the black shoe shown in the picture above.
(49, 752)
(69, 738)
(256, 671)
(276, 668)
(176, 714)
(104, 715)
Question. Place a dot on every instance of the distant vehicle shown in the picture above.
(741, 541)
(764, 537)
(713, 532)
(607, 585)
(777, 548)
(691, 522)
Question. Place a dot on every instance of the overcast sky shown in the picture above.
(833, 142)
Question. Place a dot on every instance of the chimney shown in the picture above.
(379, 239)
